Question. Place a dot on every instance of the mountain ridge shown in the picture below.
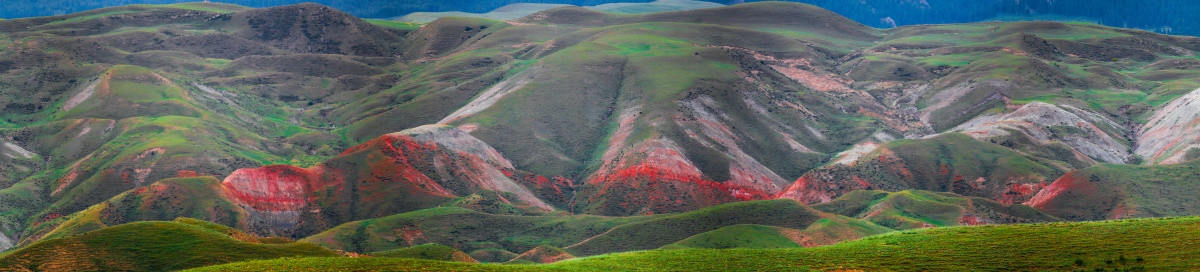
(318, 119)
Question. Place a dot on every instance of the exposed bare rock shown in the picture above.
(5, 242)
(1172, 131)
(544, 254)
(1044, 123)
(408, 170)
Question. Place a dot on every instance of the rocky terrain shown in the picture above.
(308, 123)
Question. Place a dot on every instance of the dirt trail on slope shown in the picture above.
(488, 98)
(78, 98)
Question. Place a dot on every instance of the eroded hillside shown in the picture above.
(297, 119)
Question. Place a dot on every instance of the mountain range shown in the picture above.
(303, 130)
(1163, 16)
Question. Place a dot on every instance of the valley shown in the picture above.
(771, 135)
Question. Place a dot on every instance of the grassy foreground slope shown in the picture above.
(586, 235)
(428, 252)
(152, 246)
(738, 236)
(662, 231)
(911, 209)
(1133, 245)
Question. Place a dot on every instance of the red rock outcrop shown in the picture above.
(398, 172)
(545, 254)
(657, 178)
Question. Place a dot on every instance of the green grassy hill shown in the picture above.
(651, 116)
(1122, 191)
(518, 10)
(467, 230)
(151, 246)
(1128, 245)
(912, 209)
(427, 252)
(196, 197)
(586, 235)
(739, 236)
(659, 232)
(950, 162)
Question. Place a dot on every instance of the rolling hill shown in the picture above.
(580, 132)
(1120, 191)
(1140, 244)
(152, 246)
(584, 235)
(911, 209)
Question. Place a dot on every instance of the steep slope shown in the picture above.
(1095, 137)
(195, 197)
(949, 162)
(568, 109)
(148, 246)
(1168, 16)
(1121, 191)
(111, 101)
(404, 171)
(125, 130)
(1164, 139)
(641, 125)
(313, 28)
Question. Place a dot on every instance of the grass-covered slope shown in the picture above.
(1137, 245)
(405, 171)
(911, 209)
(585, 235)
(428, 252)
(466, 230)
(194, 197)
(110, 101)
(949, 162)
(518, 10)
(1122, 191)
(542, 254)
(739, 236)
(363, 264)
(1055, 246)
(149, 246)
(586, 111)
(658, 232)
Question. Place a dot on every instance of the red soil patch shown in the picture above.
(187, 174)
(862, 182)
(65, 181)
(970, 220)
(1122, 211)
(412, 235)
(808, 190)
(1020, 191)
(652, 174)
(272, 188)
(543, 254)
(1065, 183)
